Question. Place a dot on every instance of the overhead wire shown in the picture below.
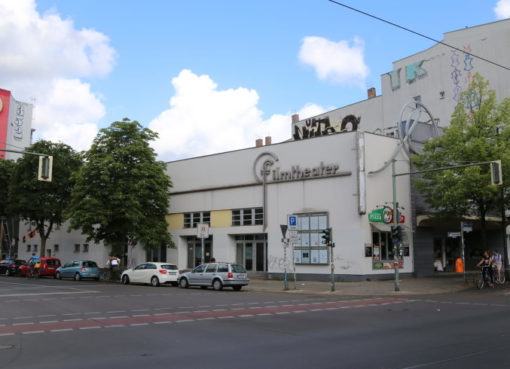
(418, 34)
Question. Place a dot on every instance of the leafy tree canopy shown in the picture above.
(121, 192)
(43, 203)
(6, 171)
(479, 131)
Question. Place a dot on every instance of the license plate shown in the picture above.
(241, 276)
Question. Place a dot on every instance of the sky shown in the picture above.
(208, 76)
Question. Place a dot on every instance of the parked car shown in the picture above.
(152, 273)
(215, 275)
(47, 267)
(79, 269)
(10, 266)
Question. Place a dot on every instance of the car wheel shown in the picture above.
(237, 288)
(154, 281)
(77, 277)
(217, 285)
(183, 283)
(125, 279)
(203, 287)
(58, 276)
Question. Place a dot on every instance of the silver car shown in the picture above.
(215, 275)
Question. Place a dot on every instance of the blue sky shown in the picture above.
(208, 76)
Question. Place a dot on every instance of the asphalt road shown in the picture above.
(65, 324)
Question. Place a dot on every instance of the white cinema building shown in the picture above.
(333, 172)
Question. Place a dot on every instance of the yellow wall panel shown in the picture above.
(175, 221)
(221, 218)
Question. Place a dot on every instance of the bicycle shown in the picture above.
(484, 278)
(32, 272)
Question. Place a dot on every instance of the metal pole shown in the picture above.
(503, 232)
(294, 267)
(332, 268)
(203, 250)
(285, 280)
(395, 223)
(463, 250)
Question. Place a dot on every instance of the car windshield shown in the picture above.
(169, 266)
(236, 268)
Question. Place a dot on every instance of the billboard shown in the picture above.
(15, 125)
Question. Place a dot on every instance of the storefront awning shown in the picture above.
(381, 227)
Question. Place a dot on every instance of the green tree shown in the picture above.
(479, 131)
(42, 204)
(121, 192)
(6, 170)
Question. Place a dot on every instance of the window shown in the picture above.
(35, 248)
(55, 248)
(192, 219)
(310, 247)
(383, 246)
(211, 268)
(243, 217)
(85, 247)
(29, 247)
(77, 247)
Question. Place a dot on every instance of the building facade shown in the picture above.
(334, 173)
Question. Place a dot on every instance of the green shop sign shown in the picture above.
(384, 215)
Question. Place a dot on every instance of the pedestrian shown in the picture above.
(486, 264)
(497, 265)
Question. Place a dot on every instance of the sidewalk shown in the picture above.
(408, 286)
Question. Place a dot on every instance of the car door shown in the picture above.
(209, 274)
(65, 269)
(150, 270)
(137, 274)
(196, 274)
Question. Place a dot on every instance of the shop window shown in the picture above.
(382, 250)
(244, 217)
(192, 219)
(310, 247)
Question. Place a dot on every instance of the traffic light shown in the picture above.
(396, 233)
(326, 236)
(496, 174)
(45, 168)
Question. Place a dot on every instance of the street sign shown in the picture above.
(293, 235)
(453, 234)
(202, 230)
(292, 221)
(466, 226)
(283, 227)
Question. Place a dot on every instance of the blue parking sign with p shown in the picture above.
(292, 221)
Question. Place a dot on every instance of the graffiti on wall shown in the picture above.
(414, 71)
(316, 127)
(17, 122)
(458, 67)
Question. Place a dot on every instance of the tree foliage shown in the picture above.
(42, 204)
(6, 171)
(479, 131)
(121, 192)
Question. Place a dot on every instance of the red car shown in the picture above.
(48, 267)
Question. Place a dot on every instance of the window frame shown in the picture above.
(310, 249)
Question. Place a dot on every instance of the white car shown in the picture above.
(152, 273)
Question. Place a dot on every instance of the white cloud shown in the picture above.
(203, 119)
(337, 62)
(502, 9)
(42, 59)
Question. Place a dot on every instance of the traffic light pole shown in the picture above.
(396, 243)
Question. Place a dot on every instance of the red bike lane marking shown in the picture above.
(175, 317)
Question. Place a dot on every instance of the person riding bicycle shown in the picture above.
(497, 264)
(486, 264)
(34, 262)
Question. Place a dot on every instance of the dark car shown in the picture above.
(10, 266)
(47, 267)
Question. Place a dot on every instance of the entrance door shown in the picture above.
(194, 247)
(251, 251)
